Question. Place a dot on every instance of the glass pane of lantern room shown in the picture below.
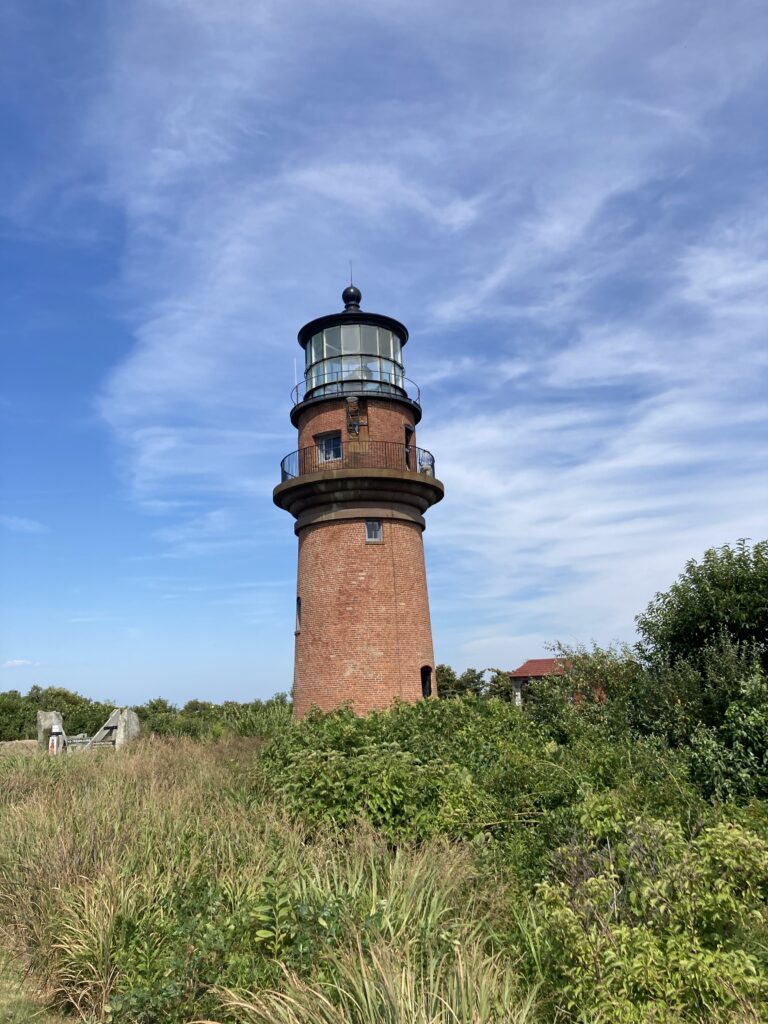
(371, 373)
(332, 371)
(397, 352)
(385, 343)
(368, 339)
(350, 338)
(333, 341)
(387, 372)
(350, 368)
(317, 347)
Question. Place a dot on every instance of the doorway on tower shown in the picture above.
(409, 432)
(426, 681)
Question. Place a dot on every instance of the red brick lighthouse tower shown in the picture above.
(358, 487)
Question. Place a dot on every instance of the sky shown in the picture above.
(565, 203)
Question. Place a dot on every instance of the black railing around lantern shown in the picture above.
(337, 454)
(326, 384)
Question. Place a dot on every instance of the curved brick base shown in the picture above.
(365, 629)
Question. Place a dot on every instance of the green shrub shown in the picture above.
(731, 761)
(641, 922)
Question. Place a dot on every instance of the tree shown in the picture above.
(501, 685)
(723, 597)
(471, 680)
(449, 684)
(17, 716)
(445, 678)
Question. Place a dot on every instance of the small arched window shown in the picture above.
(298, 614)
(426, 681)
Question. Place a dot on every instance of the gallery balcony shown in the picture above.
(357, 471)
(357, 455)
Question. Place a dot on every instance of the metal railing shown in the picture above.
(376, 383)
(335, 454)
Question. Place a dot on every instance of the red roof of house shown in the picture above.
(537, 668)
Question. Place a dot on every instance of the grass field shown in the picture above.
(345, 874)
(162, 891)
(18, 1003)
(18, 747)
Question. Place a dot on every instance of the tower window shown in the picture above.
(329, 447)
(298, 614)
(426, 681)
(374, 531)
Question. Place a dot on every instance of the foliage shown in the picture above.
(18, 714)
(175, 887)
(641, 922)
(16, 723)
(468, 769)
(730, 760)
(500, 685)
(165, 885)
(197, 719)
(389, 985)
(614, 689)
(449, 684)
(723, 596)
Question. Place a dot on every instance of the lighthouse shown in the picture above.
(358, 486)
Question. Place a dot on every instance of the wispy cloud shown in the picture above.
(20, 663)
(565, 206)
(20, 524)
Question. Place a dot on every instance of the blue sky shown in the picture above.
(566, 204)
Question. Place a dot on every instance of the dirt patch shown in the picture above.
(18, 747)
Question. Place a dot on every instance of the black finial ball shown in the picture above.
(351, 297)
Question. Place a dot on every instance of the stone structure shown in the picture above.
(120, 728)
(358, 487)
(49, 723)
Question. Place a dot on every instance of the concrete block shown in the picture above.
(127, 727)
(48, 722)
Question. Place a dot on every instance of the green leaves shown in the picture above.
(641, 922)
(391, 788)
(723, 596)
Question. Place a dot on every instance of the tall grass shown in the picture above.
(142, 887)
(390, 985)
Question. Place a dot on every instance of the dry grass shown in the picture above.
(18, 747)
(19, 1002)
(96, 844)
(389, 984)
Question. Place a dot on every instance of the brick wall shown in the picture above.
(386, 420)
(365, 627)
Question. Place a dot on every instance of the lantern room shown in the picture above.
(353, 353)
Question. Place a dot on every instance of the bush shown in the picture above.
(641, 923)
(730, 761)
